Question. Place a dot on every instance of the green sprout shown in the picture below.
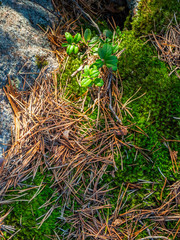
(106, 57)
(91, 77)
(102, 47)
(71, 44)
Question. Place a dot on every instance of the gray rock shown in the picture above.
(21, 40)
(132, 4)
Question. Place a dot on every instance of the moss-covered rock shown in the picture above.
(153, 15)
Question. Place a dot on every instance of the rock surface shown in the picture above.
(132, 4)
(21, 41)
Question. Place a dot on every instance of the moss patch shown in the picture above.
(153, 15)
(28, 215)
(154, 112)
(41, 61)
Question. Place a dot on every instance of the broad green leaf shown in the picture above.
(111, 62)
(86, 69)
(93, 41)
(98, 63)
(94, 49)
(77, 37)
(107, 33)
(75, 49)
(98, 82)
(94, 73)
(105, 51)
(85, 75)
(108, 40)
(93, 67)
(64, 44)
(114, 67)
(70, 49)
(87, 35)
(86, 82)
(69, 37)
(102, 41)
(90, 85)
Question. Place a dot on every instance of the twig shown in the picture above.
(14, 233)
(78, 70)
(147, 229)
(98, 106)
(110, 98)
(161, 173)
(86, 14)
(155, 237)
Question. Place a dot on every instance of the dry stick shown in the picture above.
(55, 83)
(177, 231)
(14, 233)
(116, 212)
(168, 201)
(87, 15)
(78, 70)
(129, 100)
(98, 106)
(155, 237)
(64, 67)
(47, 215)
(82, 108)
(147, 229)
(57, 235)
(110, 98)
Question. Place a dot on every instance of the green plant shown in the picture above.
(105, 49)
(106, 57)
(66, 82)
(87, 35)
(153, 112)
(91, 76)
(72, 43)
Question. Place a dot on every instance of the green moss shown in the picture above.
(154, 112)
(24, 214)
(153, 15)
(41, 61)
(140, 67)
(70, 84)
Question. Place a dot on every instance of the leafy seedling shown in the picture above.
(108, 33)
(87, 35)
(91, 42)
(71, 44)
(104, 48)
(91, 77)
(106, 57)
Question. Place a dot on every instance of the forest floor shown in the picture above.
(98, 162)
